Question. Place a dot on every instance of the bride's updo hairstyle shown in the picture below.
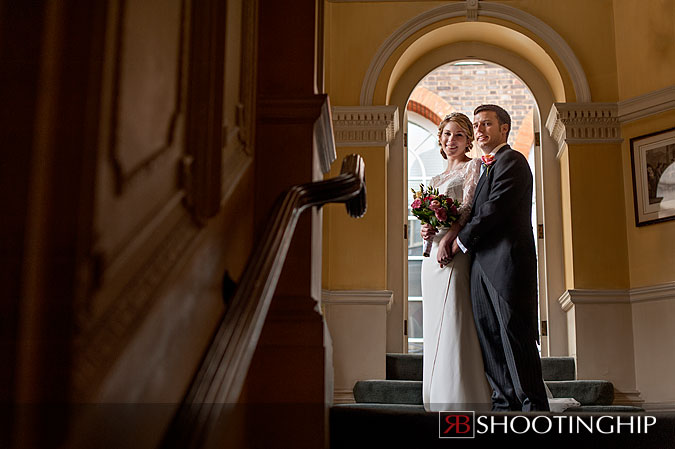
(463, 122)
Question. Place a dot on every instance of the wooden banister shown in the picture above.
(219, 380)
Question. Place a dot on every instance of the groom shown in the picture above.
(503, 269)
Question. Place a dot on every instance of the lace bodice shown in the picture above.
(460, 184)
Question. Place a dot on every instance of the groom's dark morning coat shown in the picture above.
(499, 232)
(504, 282)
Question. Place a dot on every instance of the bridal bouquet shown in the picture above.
(435, 209)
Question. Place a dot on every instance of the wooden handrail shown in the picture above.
(219, 380)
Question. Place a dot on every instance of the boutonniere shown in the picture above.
(488, 160)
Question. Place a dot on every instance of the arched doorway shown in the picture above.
(439, 36)
(457, 86)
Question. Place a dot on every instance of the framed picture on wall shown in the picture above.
(653, 162)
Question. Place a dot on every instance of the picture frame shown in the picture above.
(653, 165)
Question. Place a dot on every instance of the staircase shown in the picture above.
(404, 385)
(389, 413)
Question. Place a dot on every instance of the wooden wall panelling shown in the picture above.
(139, 281)
(120, 286)
(142, 125)
(147, 85)
(138, 200)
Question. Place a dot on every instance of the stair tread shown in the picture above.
(409, 367)
(587, 392)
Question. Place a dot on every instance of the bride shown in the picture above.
(453, 374)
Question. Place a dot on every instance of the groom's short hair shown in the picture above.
(502, 116)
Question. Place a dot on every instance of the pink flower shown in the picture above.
(441, 214)
(453, 210)
(435, 204)
(488, 159)
(417, 203)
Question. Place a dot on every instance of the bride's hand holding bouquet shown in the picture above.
(433, 209)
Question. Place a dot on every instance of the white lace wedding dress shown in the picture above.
(453, 374)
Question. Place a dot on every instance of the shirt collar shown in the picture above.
(497, 148)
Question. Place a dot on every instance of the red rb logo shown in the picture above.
(456, 425)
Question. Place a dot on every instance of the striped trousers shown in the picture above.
(510, 354)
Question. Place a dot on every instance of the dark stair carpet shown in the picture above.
(404, 375)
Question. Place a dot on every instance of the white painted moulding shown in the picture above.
(365, 125)
(644, 106)
(358, 297)
(659, 292)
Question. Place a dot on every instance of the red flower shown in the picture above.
(442, 214)
(488, 159)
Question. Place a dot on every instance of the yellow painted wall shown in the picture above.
(645, 45)
(598, 217)
(651, 248)
(355, 250)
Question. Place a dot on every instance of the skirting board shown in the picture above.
(628, 398)
(343, 396)
(659, 406)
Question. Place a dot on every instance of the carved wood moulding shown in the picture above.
(240, 138)
(101, 341)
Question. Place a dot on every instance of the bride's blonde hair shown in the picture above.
(464, 122)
